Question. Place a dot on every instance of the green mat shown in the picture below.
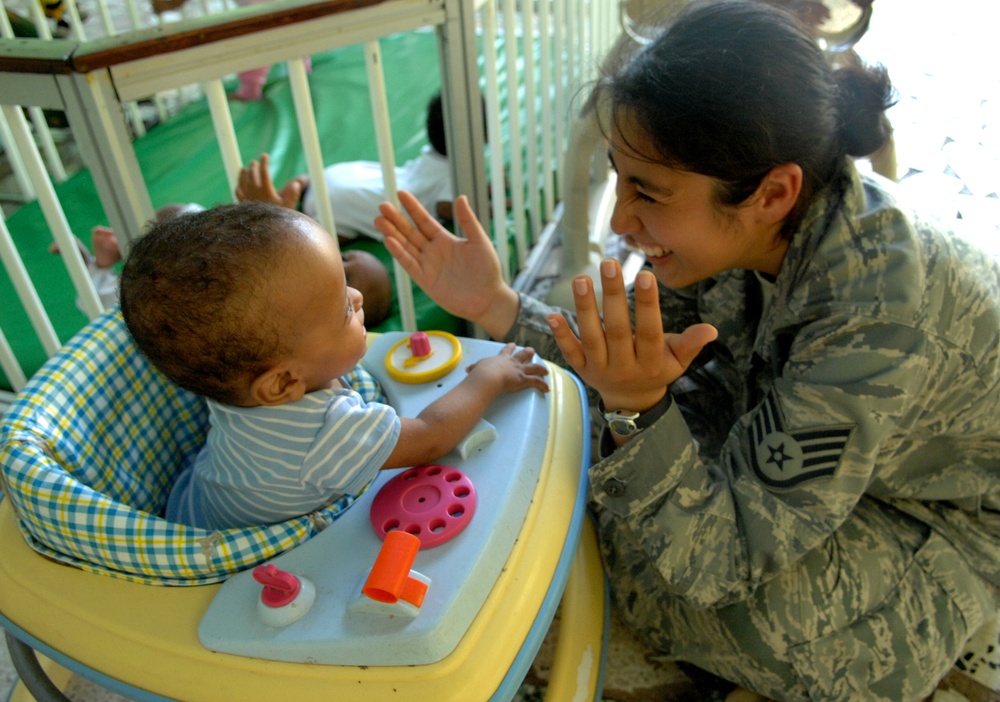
(181, 163)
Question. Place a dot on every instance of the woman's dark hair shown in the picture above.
(732, 89)
(190, 295)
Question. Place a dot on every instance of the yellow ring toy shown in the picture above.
(423, 357)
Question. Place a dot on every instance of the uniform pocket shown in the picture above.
(902, 648)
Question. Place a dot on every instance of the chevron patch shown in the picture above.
(784, 459)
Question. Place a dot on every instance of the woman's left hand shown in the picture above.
(630, 370)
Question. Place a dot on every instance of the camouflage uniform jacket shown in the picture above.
(873, 371)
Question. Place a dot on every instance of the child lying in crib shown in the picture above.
(247, 305)
(356, 188)
(364, 271)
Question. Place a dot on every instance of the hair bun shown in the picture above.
(865, 93)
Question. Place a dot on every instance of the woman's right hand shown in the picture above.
(461, 275)
(631, 368)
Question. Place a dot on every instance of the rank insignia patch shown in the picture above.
(784, 459)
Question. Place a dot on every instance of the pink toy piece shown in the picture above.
(280, 586)
(420, 345)
(433, 502)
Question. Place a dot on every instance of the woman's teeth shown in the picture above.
(649, 249)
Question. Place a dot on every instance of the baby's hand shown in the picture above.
(512, 369)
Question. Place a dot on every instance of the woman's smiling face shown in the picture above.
(672, 217)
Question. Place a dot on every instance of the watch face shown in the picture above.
(622, 426)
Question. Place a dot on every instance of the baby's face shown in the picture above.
(321, 316)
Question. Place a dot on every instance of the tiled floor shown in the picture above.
(943, 61)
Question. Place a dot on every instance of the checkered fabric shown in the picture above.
(90, 449)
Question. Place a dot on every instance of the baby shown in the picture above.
(247, 305)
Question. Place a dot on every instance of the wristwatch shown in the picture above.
(625, 423)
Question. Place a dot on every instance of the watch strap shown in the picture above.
(641, 420)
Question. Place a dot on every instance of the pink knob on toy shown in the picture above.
(280, 587)
(420, 345)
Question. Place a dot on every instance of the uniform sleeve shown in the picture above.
(353, 445)
(787, 475)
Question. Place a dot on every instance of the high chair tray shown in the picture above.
(338, 628)
(142, 640)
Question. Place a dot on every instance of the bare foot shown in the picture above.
(106, 251)
(254, 183)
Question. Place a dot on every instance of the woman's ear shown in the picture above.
(277, 385)
(779, 191)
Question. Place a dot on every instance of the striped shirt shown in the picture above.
(267, 464)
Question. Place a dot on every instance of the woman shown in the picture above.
(807, 506)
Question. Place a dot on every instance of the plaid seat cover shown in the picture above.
(90, 449)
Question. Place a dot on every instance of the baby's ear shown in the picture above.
(277, 385)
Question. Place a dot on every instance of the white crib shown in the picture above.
(505, 53)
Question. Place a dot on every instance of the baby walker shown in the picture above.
(439, 582)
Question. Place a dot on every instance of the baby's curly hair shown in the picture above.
(192, 295)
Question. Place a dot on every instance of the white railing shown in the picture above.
(528, 61)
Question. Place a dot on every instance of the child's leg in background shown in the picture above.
(252, 84)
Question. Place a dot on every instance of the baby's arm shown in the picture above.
(446, 421)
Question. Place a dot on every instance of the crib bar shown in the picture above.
(52, 158)
(70, 10)
(535, 203)
(6, 137)
(106, 21)
(43, 135)
(492, 95)
(53, 212)
(16, 162)
(386, 155)
(309, 134)
(563, 76)
(38, 17)
(462, 98)
(102, 135)
(225, 134)
(133, 13)
(514, 128)
(548, 181)
(11, 368)
(530, 88)
(26, 292)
